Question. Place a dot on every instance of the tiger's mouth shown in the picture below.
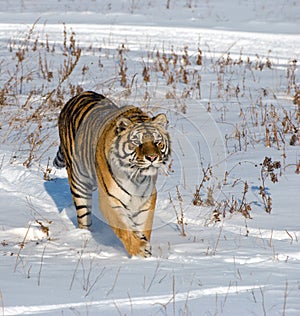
(143, 170)
(145, 163)
(149, 170)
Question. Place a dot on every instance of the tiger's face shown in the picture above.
(143, 147)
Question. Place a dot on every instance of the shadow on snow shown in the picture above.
(59, 191)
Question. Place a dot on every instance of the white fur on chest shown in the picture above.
(135, 188)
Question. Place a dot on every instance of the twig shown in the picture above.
(181, 220)
(218, 240)
(226, 297)
(154, 275)
(207, 175)
(263, 301)
(96, 280)
(174, 208)
(34, 210)
(292, 239)
(114, 284)
(22, 244)
(116, 306)
(131, 305)
(174, 295)
(41, 265)
(271, 238)
(77, 265)
(185, 310)
(285, 298)
(2, 302)
(217, 304)
(1, 163)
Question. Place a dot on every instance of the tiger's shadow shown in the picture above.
(59, 190)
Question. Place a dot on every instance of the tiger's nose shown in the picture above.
(151, 157)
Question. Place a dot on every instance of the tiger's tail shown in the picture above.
(59, 161)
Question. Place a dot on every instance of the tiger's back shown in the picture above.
(95, 149)
(84, 107)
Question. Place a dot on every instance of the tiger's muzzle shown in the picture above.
(148, 154)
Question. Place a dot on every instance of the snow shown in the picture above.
(230, 266)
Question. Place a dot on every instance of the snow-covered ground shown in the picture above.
(226, 74)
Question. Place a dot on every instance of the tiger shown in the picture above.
(119, 151)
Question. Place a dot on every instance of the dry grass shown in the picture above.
(30, 101)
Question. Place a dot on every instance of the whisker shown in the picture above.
(164, 171)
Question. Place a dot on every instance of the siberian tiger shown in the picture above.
(118, 150)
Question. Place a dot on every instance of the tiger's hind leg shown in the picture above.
(59, 160)
(83, 207)
(82, 197)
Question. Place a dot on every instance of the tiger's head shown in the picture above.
(143, 147)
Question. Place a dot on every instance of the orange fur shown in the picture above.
(91, 127)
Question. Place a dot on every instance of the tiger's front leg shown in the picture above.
(136, 238)
(133, 228)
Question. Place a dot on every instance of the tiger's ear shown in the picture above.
(160, 119)
(122, 124)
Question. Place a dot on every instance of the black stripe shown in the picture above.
(80, 194)
(144, 238)
(111, 195)
(81, 176)
(88, 225)
(75, 108)
(81, 187)
(112, 175)
(139, 212)
(84, 215)
(80, 207)
(143, 195)
(91, 106)
(82, 101)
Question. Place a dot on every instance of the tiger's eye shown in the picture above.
(160, 145)
(131, 146)
(134, 140)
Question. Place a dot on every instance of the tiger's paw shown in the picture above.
(141, 247)
(145, 247)
(86, 227)
(145, 250)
